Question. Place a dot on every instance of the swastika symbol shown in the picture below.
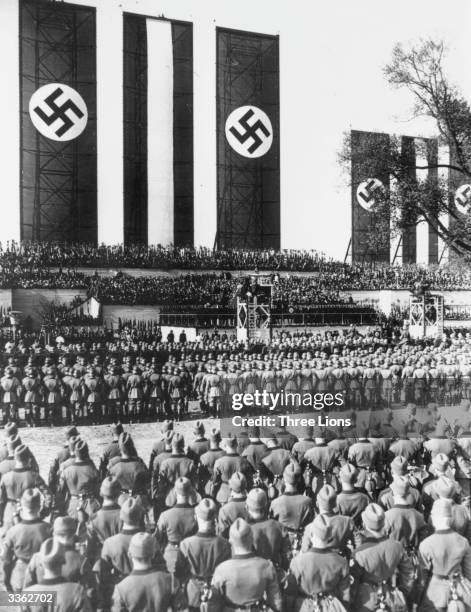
(368, 191)
(463, 199)
(249, 131)
(58, 112)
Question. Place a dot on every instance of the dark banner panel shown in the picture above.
(135, 128)
(182, 38)
(409, 234)
(248, 157)
(369, 152)
(58, 122)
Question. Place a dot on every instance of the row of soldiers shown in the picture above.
(65, 388)
(311, 523)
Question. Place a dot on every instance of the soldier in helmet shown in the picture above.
(246, 579)
(320, 574)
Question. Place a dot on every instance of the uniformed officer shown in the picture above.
(202, 553)
(81, 483)
(200, 444)
(175, 524)
(274, 462)
(76, 566)
(256, 450)
(269, 540)
(399, 470)
(114, 563)
(291, 509)
(106, 521)
(384, 572)
(303, 444)
(15, 482)
(236, 506)
(159, 446)
(320, 576)
(246, 581)
(207, 461)
(178, 465)
(111, 451)
(226, 466)
(444, 563)
(23, 540)
(64, 454)
(147, 587)
(402, 521)
(10, 431)
(130, 471)
(70, 596)
(351, 501)
(342, 527)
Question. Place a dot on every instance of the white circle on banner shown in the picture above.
(463, 199)
(58, 112)
(249, 131)
(368, 192)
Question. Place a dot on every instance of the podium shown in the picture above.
(426, 316)
(254, 313)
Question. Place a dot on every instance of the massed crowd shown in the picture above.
(316, 523)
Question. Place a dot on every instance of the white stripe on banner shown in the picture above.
(422, 226)
(159, 132)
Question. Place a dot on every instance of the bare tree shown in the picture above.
(415, 196)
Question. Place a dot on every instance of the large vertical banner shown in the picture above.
(432, 158)
(369, 180)
(58, 122)
(409, 233)
(248, 141)
(158, 131)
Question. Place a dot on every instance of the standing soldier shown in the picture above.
(291, 509)
(76, 567)
(64, 454)
(159, 446)
(69, 596)
(106, 521)
(444, 564)
(80, 482)
(269, 539)
(134, 386)
(147, 587)
(115, 394)
(54, 394)
(319, 576)
(351, 501)
(31, 385)
(321, 459)
(342, 527)
(303, 445)
(200, 444)
(112, 449)
(225, 467)
(274, 463)
(202, 553)
(114, 563)
(247, 581)
(23, 540)
(131, 472)
(10, 387)
(175, 524)
(384, 572)
(256, 450)
(236, 506)
(207, 461)
(15, 482)
(178, 465)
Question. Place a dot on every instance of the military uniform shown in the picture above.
(148, 589)
(173, 526)
(70, 596)
(20, 543)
